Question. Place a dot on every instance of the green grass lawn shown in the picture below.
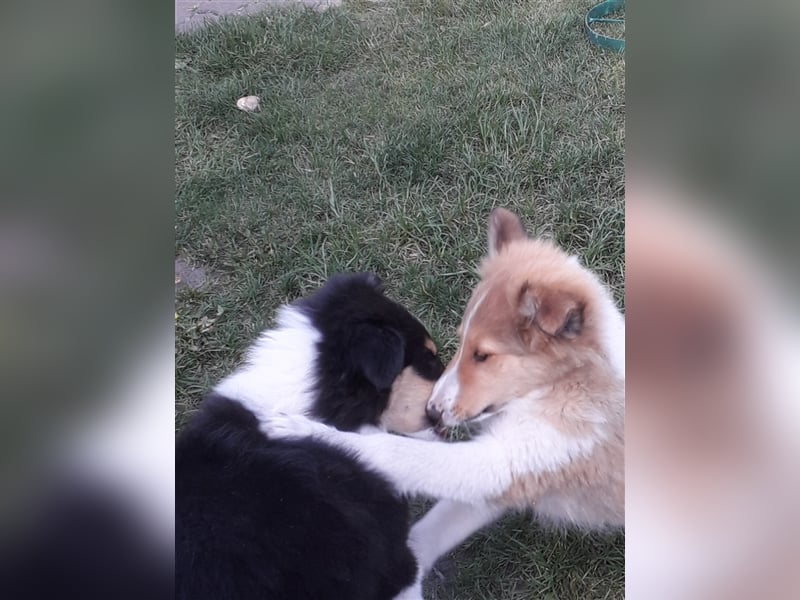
(386, 134)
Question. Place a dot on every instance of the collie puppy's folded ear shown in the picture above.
(556, 313)
(504, 228)
(377, 352)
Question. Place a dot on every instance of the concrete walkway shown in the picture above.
(190, 14)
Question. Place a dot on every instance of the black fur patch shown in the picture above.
(367, 339)
(281, 519)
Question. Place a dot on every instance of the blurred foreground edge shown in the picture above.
(712, 411)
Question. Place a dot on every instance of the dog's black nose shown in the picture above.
(434, 414)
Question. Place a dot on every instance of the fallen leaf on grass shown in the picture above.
(248, 103)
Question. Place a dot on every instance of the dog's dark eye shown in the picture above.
(478, 356)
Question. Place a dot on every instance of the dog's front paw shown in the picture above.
(282, 426)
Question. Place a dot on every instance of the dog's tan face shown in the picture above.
(410, 393)
(529, 320)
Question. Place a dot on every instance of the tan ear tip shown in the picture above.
(500, 214)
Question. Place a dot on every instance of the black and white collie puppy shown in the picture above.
(258, 518)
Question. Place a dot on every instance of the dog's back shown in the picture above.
(260, 518)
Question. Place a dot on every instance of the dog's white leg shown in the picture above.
(412, 592)
(444, 527)
(469, 472)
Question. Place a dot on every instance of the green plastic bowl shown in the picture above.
(599, 14)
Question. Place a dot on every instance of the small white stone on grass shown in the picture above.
(248, 103)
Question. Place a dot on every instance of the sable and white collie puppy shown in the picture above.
(301, 519)
(541, 363)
